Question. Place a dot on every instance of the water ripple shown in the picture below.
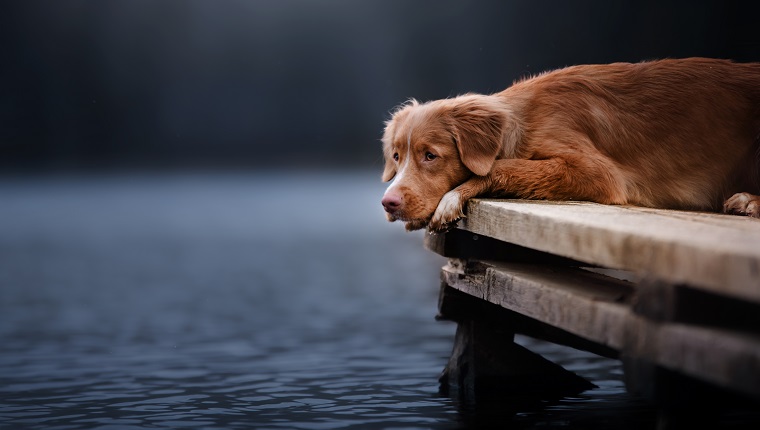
(220, 302)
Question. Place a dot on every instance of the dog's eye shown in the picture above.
(429, 156)
(395, 156)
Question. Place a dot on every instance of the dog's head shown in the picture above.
(431, 148)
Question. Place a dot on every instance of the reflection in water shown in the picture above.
(274, 300)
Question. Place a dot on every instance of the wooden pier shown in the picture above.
(674, 295)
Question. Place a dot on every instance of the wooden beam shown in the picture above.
(600, 309)
(714, 252)
(583, 303)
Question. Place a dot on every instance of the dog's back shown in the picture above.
(683, 133)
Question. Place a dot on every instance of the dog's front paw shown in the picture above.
(450, 210)
(743, 204)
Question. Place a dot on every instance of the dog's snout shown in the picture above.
(391, 202)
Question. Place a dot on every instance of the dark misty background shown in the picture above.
(232, 83)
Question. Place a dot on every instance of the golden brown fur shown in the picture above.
(668, 134)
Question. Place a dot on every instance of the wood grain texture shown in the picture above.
(598, 308)
(583, 303)
(714, 252)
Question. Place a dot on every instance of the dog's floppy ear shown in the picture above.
(390, 166)
(478, 125)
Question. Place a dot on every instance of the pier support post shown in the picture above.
(486, 362)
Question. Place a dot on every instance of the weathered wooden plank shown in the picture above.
(597, 308)
(723, 357)
(715, 252)
(583, 303)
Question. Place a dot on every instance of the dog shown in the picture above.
(670, 133)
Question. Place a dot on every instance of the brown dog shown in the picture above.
(666, 134)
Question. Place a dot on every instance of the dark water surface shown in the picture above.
(280, 300)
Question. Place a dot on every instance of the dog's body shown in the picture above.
(668, 134)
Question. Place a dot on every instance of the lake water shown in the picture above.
(277, 300)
